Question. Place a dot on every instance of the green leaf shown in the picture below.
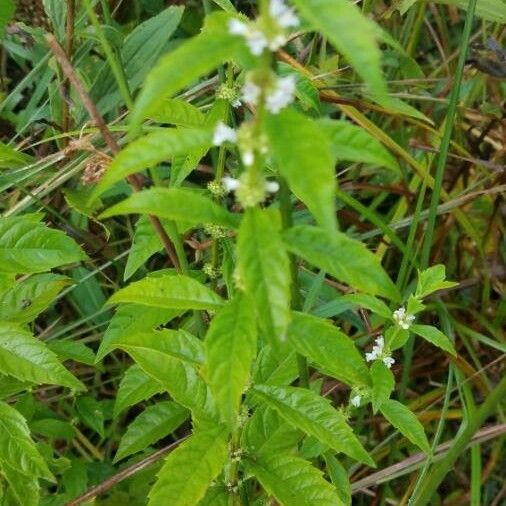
(434, 336)
(17, 449)
(191, 60)
(29, 359)
(203, 454)
(406, 422)
(315, 416)
(354, 144)
(53, 428)
(293, 481)
(226, 5)
(369, 302)
(72, 350)
(176, 111)
(148, 151)
(264, 270)
(274, 369)
(346, 259)
(153, 424)
(334, 18)
(178, 204)
(135, 386)
(131, 319)
(339, 477)
(432, 279)
(7, 9)
(28, 246)
(24, 488)
(215, 496)
(383, 383)
(332, 350)
(170, 292)
(302, 153)
(10, 158)
(91, 414)
(24, 301)
(230, 348)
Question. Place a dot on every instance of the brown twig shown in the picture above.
(134, 180)
(124, 474)
(69, 43)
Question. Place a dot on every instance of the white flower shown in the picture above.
(388, 361)
(248, 158)
(378, 352)
(281, 95)
(223, 133)
(230, 184)
(283, 15)
(250, 92)
(403, 319)
(271, 186)
(236, 27)
(355, 400)
(277, 42)
(255, 39)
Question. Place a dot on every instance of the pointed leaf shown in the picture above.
(91, 414)
(383, 383)
(369, 302)
(204, 454)
(434, 336)
(339, 477)
(314, 415)
(72, 350)
(176, 111)
(432, 279)
(346, 259)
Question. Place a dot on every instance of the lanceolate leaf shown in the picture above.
(383, 383)
(369, 302)
(406, 422)
(354, 144)
(154, 423)
(178, 204)
(170, 292)
(315, 416)
(176, 111)
(334, 18)
(303, 154)
(346, 259)
(29, 359)
(28, 246)
(230, 348)
(17, 449)
(434, 336)
(203, 455)
(293, 481)
(149, 151)
(329, 348)
(264, 270)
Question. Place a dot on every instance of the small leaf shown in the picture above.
(265, 271)
(383, 383)
(91, 414)
(178, 204)
(72, 350)
(153, 424)
(369, 302)
(293, 481)
(324, 344)
(28, 359)
(354, 144)
(406, 422)
(434, 336)
(176, 111)
(204, 453)
(170, 292)
(230, 348)
(28, 246)
(346, 259)
(135, 386)
(315, 416)
(432, 279)
(303, 155)
(339, 477)
(17, 449)
(53, 428)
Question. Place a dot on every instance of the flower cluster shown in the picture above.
(268, 33)
(378, 352)
(250, 189)
(403, 319)
(230, 94)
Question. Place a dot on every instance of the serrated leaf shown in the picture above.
(369, 302)
(204, 453)
(431, 280)
(272, 368)
(28, 246)
(302, 153)
(230, 348)
(326, 345)
(406, 422)
(293, 481)
(339, 477)
(314, 415)
(265, 271)
(24, 488)
(176, 111)
(17, 449)
(28, 359)
(131, 319)
(153, 424)
(383, 383)
(53, 428)
(72, 350)
(91, 413)
(346, 259)
(354, 144)
(135, 386)
(333, 18)
(434, 336)
(24, 301)
(170, 292)
(178, 204)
